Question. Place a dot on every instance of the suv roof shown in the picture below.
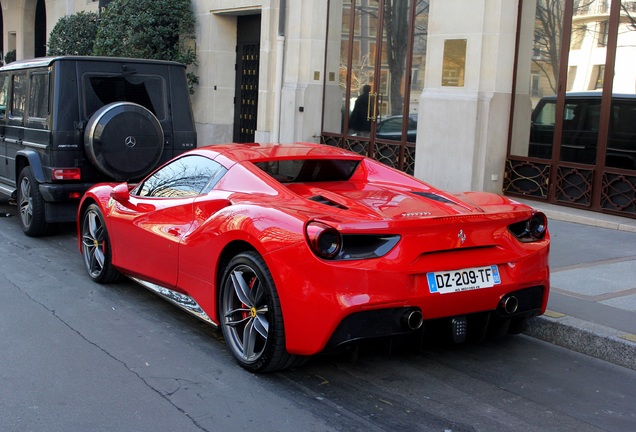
(47, 61)
(591, 94)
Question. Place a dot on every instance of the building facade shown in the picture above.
(442, 89)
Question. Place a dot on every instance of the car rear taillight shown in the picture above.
(324, 241)
(66, 174)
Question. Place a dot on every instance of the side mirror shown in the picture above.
(121, 193)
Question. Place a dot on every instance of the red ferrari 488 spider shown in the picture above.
(296, 249)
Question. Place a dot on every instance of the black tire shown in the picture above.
(124, 140)
(96, 249)
(31, 205)
(249, 308)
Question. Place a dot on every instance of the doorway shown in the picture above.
(39, 46)
(246, 94)
(380, 47)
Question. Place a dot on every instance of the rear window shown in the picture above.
(148, 91)
(309, 170)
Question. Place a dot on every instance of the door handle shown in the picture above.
(372, 107)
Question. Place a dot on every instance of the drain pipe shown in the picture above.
(280, 57)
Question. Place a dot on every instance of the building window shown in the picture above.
(571, 77)
(578, 34)
(534, 85)
(596, 81)
(602, 33)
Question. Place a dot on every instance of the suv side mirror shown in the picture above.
(121, 193)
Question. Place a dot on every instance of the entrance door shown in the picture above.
(246, 96)
(381, 46)
(39, 47)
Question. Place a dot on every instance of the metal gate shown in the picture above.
(248, 39)
(247, 92)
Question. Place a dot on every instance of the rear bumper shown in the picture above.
(58, 192)
(342, 302)
(58, 204)
(396, 321)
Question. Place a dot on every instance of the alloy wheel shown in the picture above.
(246, 313)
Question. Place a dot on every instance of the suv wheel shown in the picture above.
(124, 140)
(31, 204)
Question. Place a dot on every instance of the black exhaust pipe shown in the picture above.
(510, 304)
(412, 319)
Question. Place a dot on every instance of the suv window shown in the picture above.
(4, 94)
(39, 95)
(579, 138)
(145, 90)
(18, 103)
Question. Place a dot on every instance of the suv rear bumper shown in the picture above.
(58, 206)
(56, 192)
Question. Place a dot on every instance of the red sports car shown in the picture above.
(297, 249)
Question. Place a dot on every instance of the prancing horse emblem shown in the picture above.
(461, 236)
(130, 141)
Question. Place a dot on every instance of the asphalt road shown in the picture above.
(77, 356)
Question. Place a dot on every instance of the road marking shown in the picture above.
(553, 314)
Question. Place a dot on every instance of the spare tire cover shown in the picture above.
(124, 140)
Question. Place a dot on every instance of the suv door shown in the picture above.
(36, 131)
(580, 129)
(621, 146)
(4, 100)
(15, 121)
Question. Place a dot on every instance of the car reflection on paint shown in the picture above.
(298, 249)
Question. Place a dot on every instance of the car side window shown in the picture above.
(39, 95)
(4, 94)
(392, 125)
(184, 177)
(18, 103)
(545, 116)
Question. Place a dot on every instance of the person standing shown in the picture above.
(359, 120)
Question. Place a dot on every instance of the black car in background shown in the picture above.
(390, 128)
(581, 119)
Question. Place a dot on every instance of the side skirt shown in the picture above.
(182, 301)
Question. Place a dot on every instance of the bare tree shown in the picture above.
(547, 39)
(396, 40)
(549, 31)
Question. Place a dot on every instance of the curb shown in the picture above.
(587, 338)
(581, 216)
(609, 223)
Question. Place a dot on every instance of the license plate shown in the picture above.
(463, 280)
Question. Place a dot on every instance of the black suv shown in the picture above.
(69, 122)
(581, 119)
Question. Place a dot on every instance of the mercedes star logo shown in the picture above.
(130, 141)
(461, 236)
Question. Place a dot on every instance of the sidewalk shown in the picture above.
(592, 305)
